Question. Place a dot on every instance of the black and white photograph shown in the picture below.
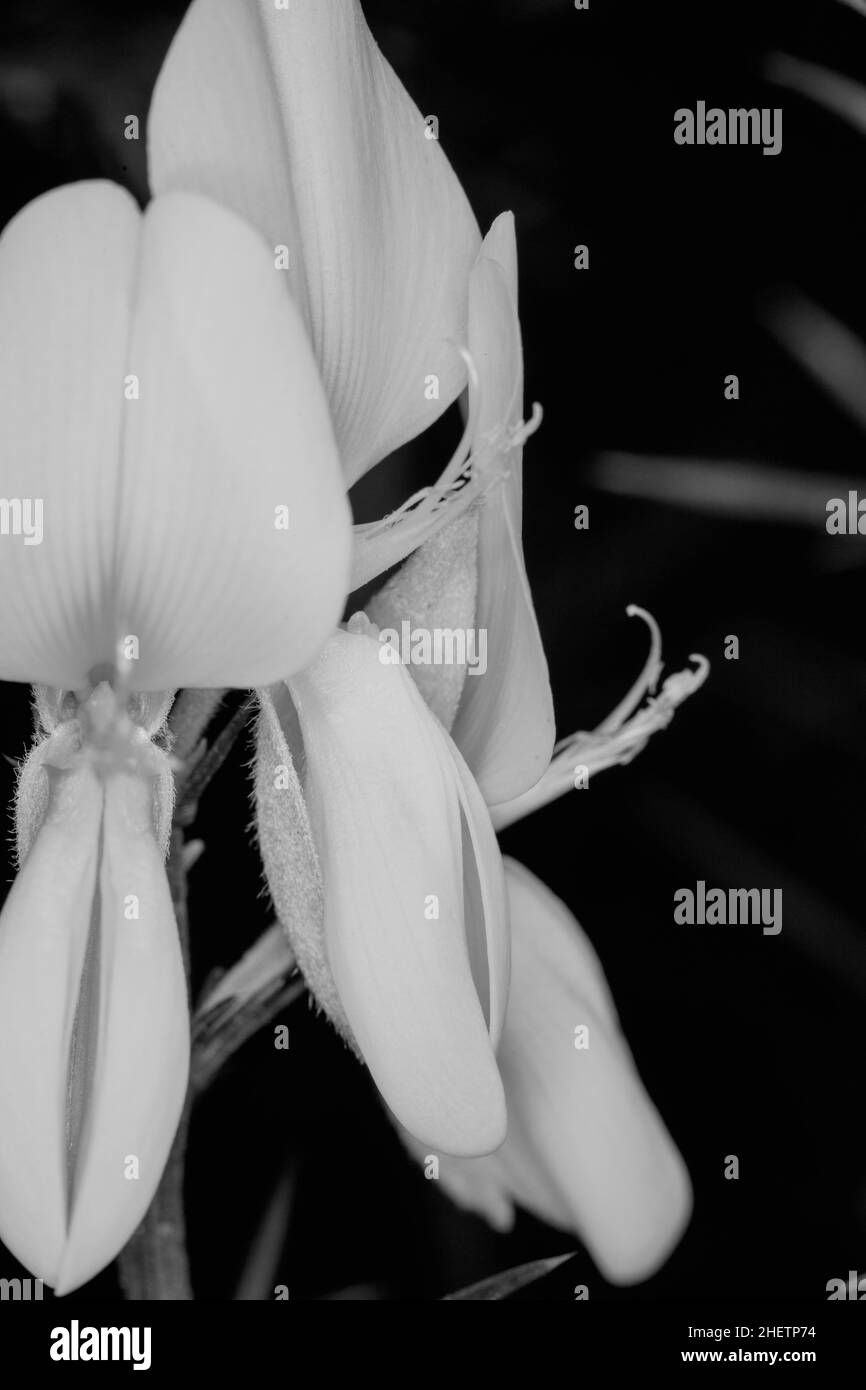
(432, 670)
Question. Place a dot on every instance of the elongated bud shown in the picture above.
(411, 948)
(94, 1032)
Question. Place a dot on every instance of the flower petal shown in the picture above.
(387, 809)
(160, 512)
(485, 901)
(142, 1056)
(293, 118)
(236, 427)
(504, 725)
(94, 1036)
(66, 286)
(586, 1149)
(44, 928)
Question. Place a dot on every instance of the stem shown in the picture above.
(191, 713)
(211, 1052)
(154, 1264)
(192, 783)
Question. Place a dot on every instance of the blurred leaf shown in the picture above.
(838, 94)
(723, 487)
(825, 348)
(358, 1293)
(510, 1280)
(257, 1280)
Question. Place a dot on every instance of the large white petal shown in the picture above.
(142, 1055)
(586, 1149)
(94, 1024)
(67, 270)
(504, 725)
(159, 513)
(44, 927)
(387, 806)
(293, 117)
(233, 425)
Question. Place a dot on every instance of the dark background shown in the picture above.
(749, 1044)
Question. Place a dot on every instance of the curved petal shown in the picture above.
(142, 1053)
(160, 400)
(66, 288)
(387, 807)
(234, 426)
(485, 901)
(44, 928)
(504, 725)
(293, 118)
(586, 1149)
(94, 1036)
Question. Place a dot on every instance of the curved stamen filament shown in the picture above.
(475, 466)
(619, 738)
(646, 681)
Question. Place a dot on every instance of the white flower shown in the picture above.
(160, 398)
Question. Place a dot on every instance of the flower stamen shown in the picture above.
(477, 465)
(619, 738)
